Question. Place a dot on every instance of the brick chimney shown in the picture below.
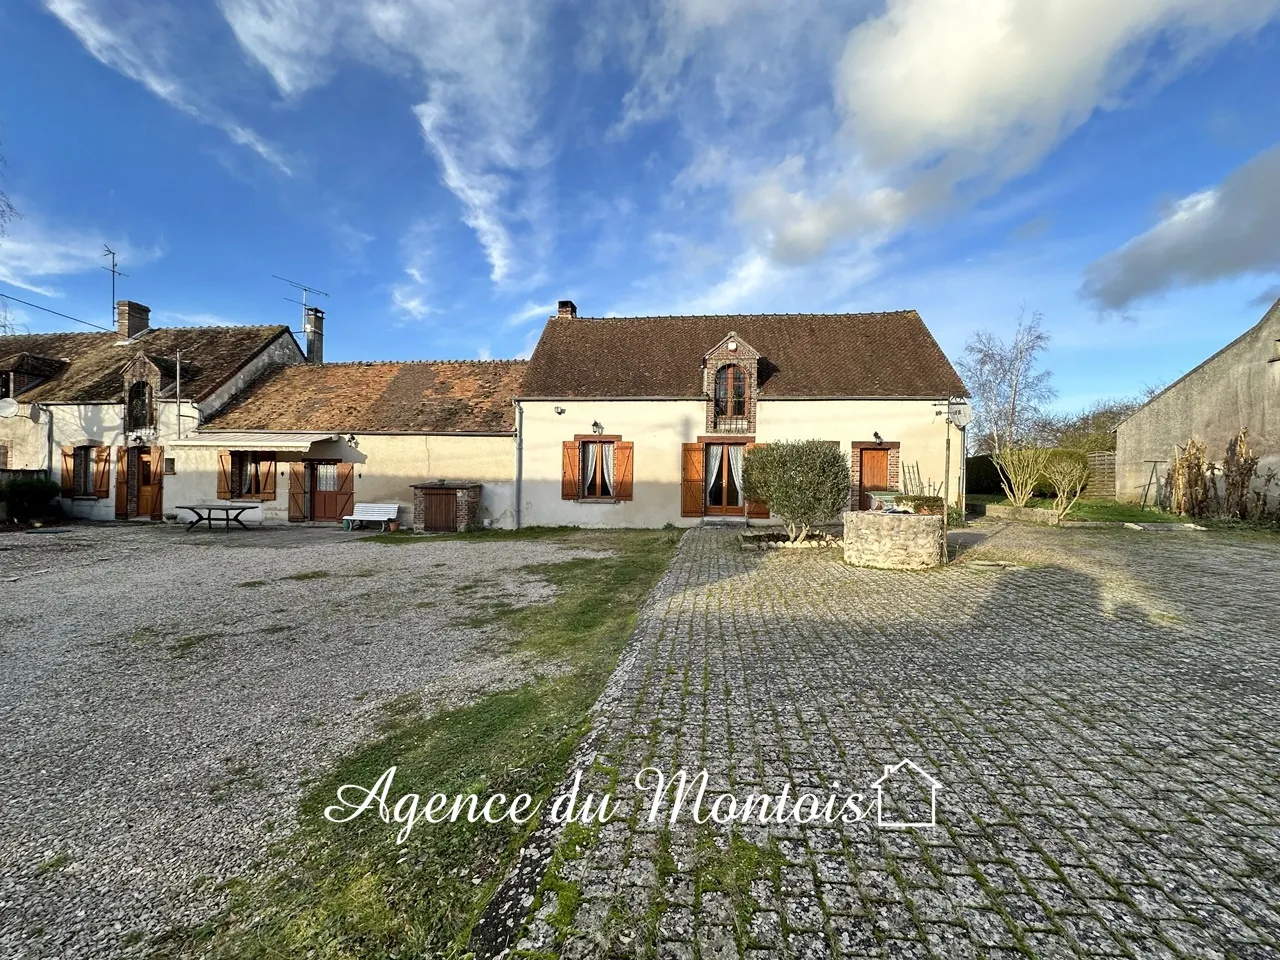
(568, 308)
(313, 327)
(131, 318)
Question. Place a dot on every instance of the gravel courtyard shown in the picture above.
(163, 693)
(1104, 718)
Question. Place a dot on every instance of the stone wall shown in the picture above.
(893, 541)
(1002, 511)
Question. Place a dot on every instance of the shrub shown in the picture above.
(1021, 469)
(804, 482)
(981, 475)
(1066, 471)
(29, 497)
(931, 505)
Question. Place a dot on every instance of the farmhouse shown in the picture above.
(306, 442)
(100, 412)
(1238, 387)
(642, 421)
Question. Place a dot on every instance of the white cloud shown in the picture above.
(1222, 232)
(135, 40)
(410, 298)
(31, 255)
(169, 318)
(529, 312)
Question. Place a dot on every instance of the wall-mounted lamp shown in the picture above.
(559, 411)
(879, 439)
(596, 427)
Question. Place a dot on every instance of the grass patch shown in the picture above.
(1109, 510)
(406, 538)
(308, 575)
(350, 891)
(56, 862)
(184, 645)
(252, 583)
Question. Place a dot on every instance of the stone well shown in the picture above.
(893, 541)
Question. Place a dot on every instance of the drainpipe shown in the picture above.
(519, 457)
(48, 412)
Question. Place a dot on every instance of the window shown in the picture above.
(731, 391)
(597, 470)
(4, 457)
(169, 467)
(247, 473)
(82, 472)
(138, 412)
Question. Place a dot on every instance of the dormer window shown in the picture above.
(731, 391)
(138, 411)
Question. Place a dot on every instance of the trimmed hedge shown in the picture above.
(921, 504)
(981, 475)
(29, 498)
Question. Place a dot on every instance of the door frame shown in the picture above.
(894, 448)
(708, 510)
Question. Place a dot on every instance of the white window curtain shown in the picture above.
(606, 462)
(588, 467)
(714, 454)
(736, 453)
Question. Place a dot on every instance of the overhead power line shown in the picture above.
(65, 316)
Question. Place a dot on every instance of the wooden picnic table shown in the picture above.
(231, 513)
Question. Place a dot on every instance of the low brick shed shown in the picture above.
(441, 506)
(893, 541)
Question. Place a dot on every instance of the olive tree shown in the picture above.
(804, 482)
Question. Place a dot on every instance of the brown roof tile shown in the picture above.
(438, 396)
(803, 355)
(94, 362)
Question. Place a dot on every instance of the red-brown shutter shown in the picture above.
(102, 472)
(157, 483)
(756, 509)
(569, 471)
(122, 483)
(691, 480)
(68, 471)
(623, 469)
(224, 474)
(346, 489)
(297, 491)
(267, 477)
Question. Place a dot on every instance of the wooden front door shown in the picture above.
(140, 482)
(873, 473)
(439, 511)
(722, 474)
(332, 491)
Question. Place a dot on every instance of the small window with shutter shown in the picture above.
(597, 468)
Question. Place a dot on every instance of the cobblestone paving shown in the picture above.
(1104, 720)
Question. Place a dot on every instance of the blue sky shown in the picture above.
(447, 171)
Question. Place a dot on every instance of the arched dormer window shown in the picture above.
(731, 391)
(138, 412)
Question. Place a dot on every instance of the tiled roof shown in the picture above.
(803, 355)
(93, 363)
(438, 396)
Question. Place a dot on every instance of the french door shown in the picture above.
(722, 474)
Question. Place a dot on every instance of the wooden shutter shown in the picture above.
(157, 483)
(756, 509)
(570, 470)
(68, 471)
(224, 474)
(346, 489)
(267, 477)
(4, 457)
(692, 495)
(297, 491)
(102, 472)
(623, 469)
(122, 483)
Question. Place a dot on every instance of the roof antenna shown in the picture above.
(312, 319)
(114, 273)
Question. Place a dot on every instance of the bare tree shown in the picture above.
(7, 210)
(1008, 391)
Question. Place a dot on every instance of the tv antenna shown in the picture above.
(300, 286)
(114, 273)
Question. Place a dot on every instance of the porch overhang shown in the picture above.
(255, 440)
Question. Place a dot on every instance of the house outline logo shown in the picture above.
(879, 785)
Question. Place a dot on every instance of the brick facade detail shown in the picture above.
(748, 358)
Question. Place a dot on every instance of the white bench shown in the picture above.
(382, 513)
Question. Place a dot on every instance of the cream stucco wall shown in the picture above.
(386, 466)
(659, 427)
